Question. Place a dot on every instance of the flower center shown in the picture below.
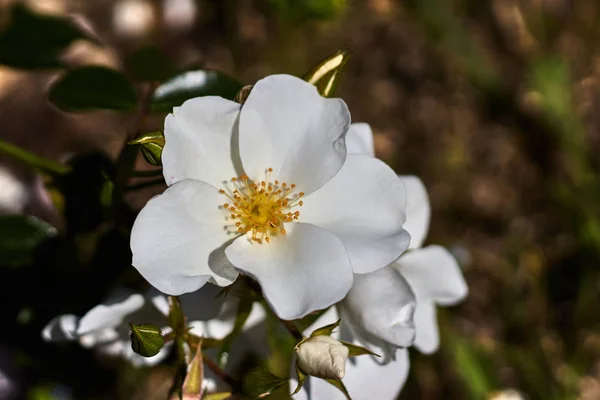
(261, 208)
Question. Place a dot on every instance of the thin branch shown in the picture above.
(235, 384)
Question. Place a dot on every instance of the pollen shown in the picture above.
(262, 207)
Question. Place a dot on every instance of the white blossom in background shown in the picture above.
(386, 310)
(323, 357)
(105, 327)
(266, 189)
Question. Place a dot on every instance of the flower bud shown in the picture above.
(323, 357)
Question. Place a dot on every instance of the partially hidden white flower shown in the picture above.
(323, 357)
(389, 309)
(267, 189)
(105, 327)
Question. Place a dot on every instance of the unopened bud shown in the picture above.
(323, 357)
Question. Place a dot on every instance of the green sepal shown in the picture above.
(327, 330)
(301, 378)
(151, 145)
(357, 350)
(146, 339)
(326, 74)
(340, 385)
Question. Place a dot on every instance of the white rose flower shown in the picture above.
(323, 357)
(266, 189)
(387, 309)
(105, 327)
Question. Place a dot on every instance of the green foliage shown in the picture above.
(190, 84)
(21, 235)
(301, 11)
(41, 164)
(326, 74)
(32, 41)
(301, 378)
(146, 339)
(151, 145)
(259, 382)
(93, 87)
(176, 317)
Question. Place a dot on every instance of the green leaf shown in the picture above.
(326, 74)
(146, 339)
(32, 41)
(21, 235)
(243, 312)
(259, 383)
(93, 87)
(151, 145)
(340, 385)
(149, 64)
(192, 84)
(40, 163)
(301, 378)
(357, 350)
(326, 330)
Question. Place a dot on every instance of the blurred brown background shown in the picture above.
(494, 104)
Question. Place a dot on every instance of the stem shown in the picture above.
(224, 376)
(128, 155)
(291, 327)
(143, 185)
(35, 161)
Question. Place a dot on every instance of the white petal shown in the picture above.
(359, 140)
(428, 336)
(111, 312)
(61, 328)
(418, 210)
(175, 235)
(286, 125)
(198, 141)
(364, 206)
(203, 304)
(305, 270)
(433, 274)
(365, 380)
(98, 337)
(379, 310)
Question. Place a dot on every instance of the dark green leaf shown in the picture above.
(301, 378)
(243, 312)
(217, 396)
(93, 87)
(259, 382)
(151, 144)
(357, 350)
(40, 163)
(20, 237)
(150, 64)
(193, 84)
(146, 339)
(340, 385)
(36, 41)
(326, 330)
(326, 74)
